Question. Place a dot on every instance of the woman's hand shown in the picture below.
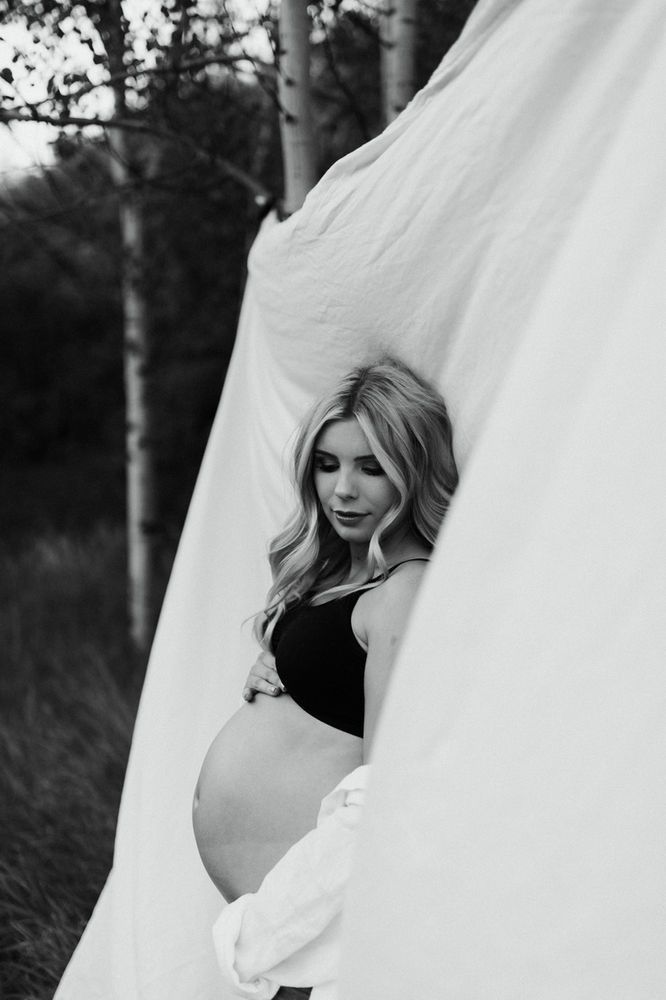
(263, 678)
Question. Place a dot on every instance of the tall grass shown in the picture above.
(69, 685)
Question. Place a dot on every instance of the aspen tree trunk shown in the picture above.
(398, 44)
(140, 464)
(296, 127)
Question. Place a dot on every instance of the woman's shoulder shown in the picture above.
(383, 611)
(399, 588)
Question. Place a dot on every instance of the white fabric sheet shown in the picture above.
(507, 236)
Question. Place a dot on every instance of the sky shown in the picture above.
(26, 146)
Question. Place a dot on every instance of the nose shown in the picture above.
(345, 484)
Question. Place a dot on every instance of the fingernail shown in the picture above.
(274, 690)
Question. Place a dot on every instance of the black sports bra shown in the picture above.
(321, 662)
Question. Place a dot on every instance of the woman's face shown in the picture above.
(354, 491)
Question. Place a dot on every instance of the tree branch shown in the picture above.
(175, 69)
(129, 125)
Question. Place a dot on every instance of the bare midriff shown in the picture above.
(260, 788)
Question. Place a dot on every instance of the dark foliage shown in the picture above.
(61, 348)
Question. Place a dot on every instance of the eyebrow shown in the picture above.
(358, 458)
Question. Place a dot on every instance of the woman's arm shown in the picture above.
(381, 617)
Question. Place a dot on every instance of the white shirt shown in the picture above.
(287, 933)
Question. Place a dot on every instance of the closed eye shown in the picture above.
(373, 470)
(324, 464)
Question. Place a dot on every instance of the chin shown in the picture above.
(349, 533)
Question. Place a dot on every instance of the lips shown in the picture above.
(348, 516)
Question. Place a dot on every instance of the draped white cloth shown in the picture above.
(507, 236)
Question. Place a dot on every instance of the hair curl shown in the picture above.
(408, 428)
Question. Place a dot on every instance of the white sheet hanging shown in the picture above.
(506, 236)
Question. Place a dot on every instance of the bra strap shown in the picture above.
(413, 559)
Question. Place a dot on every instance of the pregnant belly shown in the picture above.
(260, 788)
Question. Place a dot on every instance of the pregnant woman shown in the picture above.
(374, 472)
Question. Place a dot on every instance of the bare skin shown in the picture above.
(261, 786)
(268, 769)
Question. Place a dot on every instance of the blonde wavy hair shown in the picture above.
(408, 428)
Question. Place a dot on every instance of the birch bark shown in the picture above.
(141, 494)
(398, 45)
(299, 154)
